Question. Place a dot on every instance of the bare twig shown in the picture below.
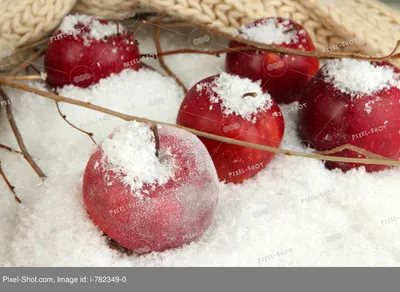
(11, 187)
(155, 20)
(280, 50)
(72, 125)
(161, 59)
(254, 46)
(25, 77)
(144, 65)
(10, 149)
(192, 51)
(35, 69)
(25, 64)
(352, 148)
(18, 136)
(55, 97)
(316, 54)
(32, 45)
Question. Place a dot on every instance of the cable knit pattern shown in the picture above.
(373, 27)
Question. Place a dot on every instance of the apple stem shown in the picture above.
(154, 128)
(253, 94)
(117, 28)
(290, 30)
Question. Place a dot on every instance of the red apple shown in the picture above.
(146, 202)
(234, 107)
(353, 102)
(283, 76)
(85, 49)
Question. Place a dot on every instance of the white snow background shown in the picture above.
(293, 213)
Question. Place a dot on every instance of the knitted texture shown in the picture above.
(372, 27)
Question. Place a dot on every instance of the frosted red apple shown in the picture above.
(353, 102)
(148, 203)
(86, 49)
(234, 107)
(283, 76)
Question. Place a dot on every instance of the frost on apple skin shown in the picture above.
(174, 196)
(130, 153)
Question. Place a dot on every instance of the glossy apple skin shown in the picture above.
(176, 213)
(233, 163)
(285, 82)
(68, 58)
(330, 112)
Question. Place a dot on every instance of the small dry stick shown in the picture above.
(18, 136)
(72, 125)
(25, 77)
(316, 54)
(161, 59)
(9, 149)
(35, 69)
(126, 117)
(32, 45)
(192, 51)
(11, 187)
(144, 65)
(25, 64)
(153, 21)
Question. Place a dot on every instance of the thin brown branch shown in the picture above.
(161, 59)
(192, 51)
(24, 77)
(126, 117)
(10, 186)
(316, 54)
(177, 25)
(64, 117)
(256, 46)
(18, 136)
(144, 65)
(352, 148)
(25, 64)
(35, 69)
(32, 45)
(155, 20)
(10, 149)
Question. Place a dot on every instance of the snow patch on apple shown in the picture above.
(97, 31)
(270, 31)
(130, 153)
(359, 78)
(237, 95)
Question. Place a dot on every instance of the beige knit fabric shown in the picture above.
(372, 27)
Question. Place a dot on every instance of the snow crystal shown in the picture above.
(237, 95)
(130, 153)
(359, 78)
(92, 27)
(269, 32)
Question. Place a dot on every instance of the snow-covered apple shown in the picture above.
(234, 107)
(283, 76)
(85, 49)
(353, 102)
(148, 197)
